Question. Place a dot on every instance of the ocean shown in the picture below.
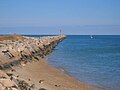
(95, 61)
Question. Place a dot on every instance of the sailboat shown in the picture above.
(91, 36)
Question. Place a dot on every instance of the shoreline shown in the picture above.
(54, 79)
(73, 77)
(23, 60)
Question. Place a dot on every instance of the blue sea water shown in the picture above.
(93, 61)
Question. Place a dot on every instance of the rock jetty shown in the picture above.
(18, 50)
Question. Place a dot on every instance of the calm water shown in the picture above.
(94, 61)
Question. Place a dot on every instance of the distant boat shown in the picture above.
(91, 36)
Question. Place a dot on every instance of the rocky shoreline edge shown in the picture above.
(18, 50)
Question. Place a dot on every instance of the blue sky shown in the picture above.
(48, 16)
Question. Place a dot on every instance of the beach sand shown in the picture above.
(37, 73)
(53, 79)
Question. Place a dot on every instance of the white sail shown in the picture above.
(91, 36)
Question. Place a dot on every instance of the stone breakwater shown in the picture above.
(19, 50)
(28, 48)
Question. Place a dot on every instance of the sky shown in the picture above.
(49, 16)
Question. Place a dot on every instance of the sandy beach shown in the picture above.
(23, 59)
(59, 44)
(53, 79)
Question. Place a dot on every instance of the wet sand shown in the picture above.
(31, 68)
(53, 79)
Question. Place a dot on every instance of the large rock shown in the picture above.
(3, 74)
(7, 82)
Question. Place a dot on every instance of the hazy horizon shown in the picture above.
(78, 17)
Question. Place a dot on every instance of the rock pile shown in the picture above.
(9, 81)
(20, 51)
(28, 48)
